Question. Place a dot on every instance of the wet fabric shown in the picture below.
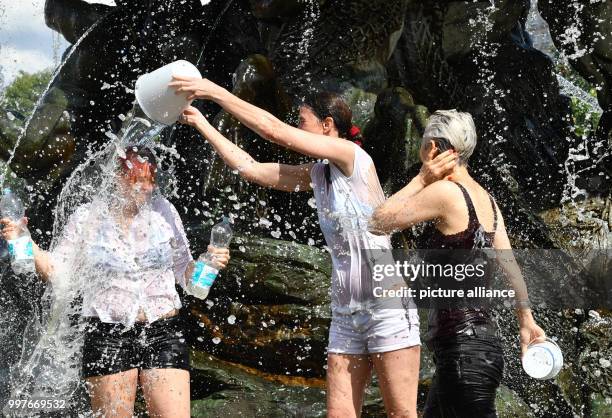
(465, 343)
(469, 369)
(131, 271)
(450, 322)
(113, 348)
(377, 331)
(344, 206)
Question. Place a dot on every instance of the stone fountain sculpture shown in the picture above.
(395, 61)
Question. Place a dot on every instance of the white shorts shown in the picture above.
(376, 331)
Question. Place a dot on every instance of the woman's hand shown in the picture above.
(196, 88)
(529, 332)
(192, 117)
(220, 256)
(11, 229)
(434, 169)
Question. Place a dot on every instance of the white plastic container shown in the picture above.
(156, 99)
(543, 360)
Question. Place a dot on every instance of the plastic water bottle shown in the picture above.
(205, 271)
(20, 248)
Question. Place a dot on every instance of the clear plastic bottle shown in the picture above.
(20, 248)
(205, 271)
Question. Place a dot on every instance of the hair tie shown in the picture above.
(355, 135)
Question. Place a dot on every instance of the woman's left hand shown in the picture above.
(220, 256)
(196, 88)
(530, 332)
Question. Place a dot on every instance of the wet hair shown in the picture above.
(137, 157)
(327, 104)
(452, 129)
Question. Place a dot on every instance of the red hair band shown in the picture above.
(355, 135)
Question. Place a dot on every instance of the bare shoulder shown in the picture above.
(445, 191)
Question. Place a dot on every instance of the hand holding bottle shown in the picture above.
(207, 266)
(16, 233)
(219, 257)
(12, 229)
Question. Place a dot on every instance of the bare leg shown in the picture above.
(347, 376)
(113, 395)
(398, 374)
(166, 392)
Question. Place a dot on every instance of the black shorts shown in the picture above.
(113, 348)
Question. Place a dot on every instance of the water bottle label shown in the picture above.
(21, 248)
(204, 275)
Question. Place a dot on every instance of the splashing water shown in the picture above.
(570, 89)
(50, 362)
(41, 98)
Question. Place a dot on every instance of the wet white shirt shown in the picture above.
(344, 208)
(123, 273)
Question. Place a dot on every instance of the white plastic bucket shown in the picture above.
(156, 99)
(543, 360)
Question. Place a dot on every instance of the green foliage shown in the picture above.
(585, 120)
(17, 102)
(21, 95)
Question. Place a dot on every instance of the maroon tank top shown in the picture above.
(451, 322)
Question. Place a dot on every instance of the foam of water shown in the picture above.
(51, 358)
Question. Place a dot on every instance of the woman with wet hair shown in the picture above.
(347, 190)
(133, 251)
(464, 216)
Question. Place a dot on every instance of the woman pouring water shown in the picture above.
(347, 190)
(131, 250)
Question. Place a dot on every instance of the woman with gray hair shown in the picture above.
(462, 215)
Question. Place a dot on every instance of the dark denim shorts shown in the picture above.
(113, 348)
(469, 369)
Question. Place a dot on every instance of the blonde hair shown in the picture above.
(455, 127)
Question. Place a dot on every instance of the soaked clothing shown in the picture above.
(469, 369)
(375, 331)
(449, 322)
(113, 348)
(132, 271)
(465, 341)
(344, 205)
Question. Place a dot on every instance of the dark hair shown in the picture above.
(327, 104)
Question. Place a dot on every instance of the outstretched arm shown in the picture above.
(285, 177)
(339, 151)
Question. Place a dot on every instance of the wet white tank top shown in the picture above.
(344, 206)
